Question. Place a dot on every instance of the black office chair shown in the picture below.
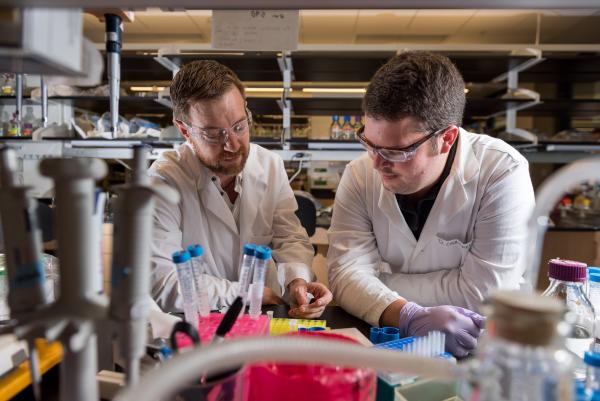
(45, 218)
(307, 213)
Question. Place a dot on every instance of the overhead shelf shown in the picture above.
(311, 66)
(573, 107)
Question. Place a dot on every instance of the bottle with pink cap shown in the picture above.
(567, 282)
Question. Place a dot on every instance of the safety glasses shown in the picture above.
(219, 136)
(394, 155)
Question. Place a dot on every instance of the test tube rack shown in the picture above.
(244, 326)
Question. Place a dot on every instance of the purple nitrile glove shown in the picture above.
(461, 326)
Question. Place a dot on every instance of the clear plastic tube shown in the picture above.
(200, 288)
(246, 270)
(186, 285)
(262, 255)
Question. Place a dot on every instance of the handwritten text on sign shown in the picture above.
(273, 30)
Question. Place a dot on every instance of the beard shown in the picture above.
(218, 164)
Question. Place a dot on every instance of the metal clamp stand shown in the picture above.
(114, 33)
(73, 317)
(79, 305)
(19, 97)
(44, 90)
(130, 290)
(285, 104)
(23, 254)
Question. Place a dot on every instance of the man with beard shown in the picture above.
(431, 220)
(232, 193)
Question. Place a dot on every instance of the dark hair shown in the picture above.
(201, 80)
(422, 85)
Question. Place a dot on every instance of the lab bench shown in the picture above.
(13, 383)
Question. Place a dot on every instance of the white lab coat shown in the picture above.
(267, 217)
(469, 245)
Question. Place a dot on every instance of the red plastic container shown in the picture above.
(300, 382)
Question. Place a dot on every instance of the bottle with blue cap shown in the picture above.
(592, 379)
(262, 256)
(594, 286)
(591, 270)
(200, 285)
(186, 285)
(246, 271)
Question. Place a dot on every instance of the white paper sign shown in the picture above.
(273, 30)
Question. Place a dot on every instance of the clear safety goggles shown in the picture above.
(219, 136)
(394, 155)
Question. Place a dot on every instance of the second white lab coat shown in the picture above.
(469, 245)
(267, 206)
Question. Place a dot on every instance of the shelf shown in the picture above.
(312, 66)
(321, 150)
(572, 107)
(138, 105)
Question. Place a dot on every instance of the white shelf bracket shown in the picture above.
(514, 92)
(165, 61)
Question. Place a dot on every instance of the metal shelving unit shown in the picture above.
(479, 69)
(547, 152)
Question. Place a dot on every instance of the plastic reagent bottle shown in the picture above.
(262, 255)
(567, 282)
(186, 285)
(248, 259)
(200, 287)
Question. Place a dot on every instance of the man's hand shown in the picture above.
(302, 306)
(269, 298)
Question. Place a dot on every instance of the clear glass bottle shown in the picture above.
(29, 122)
(347, 129)
(567, 283)
(592, 379)
(520, 357)
(335, 130)
(13, 126)
(357, 125)
(594, 297)
(4, 310)
(592, 270)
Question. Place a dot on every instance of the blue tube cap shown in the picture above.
(263, 252)
(195, 250)
(594, 277)
(592, 358)
(379, 335)
(250, 249)
(593, 269)
(181, 257)
(316, 329)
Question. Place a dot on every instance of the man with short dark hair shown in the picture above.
(430, 220)
(232, 193)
